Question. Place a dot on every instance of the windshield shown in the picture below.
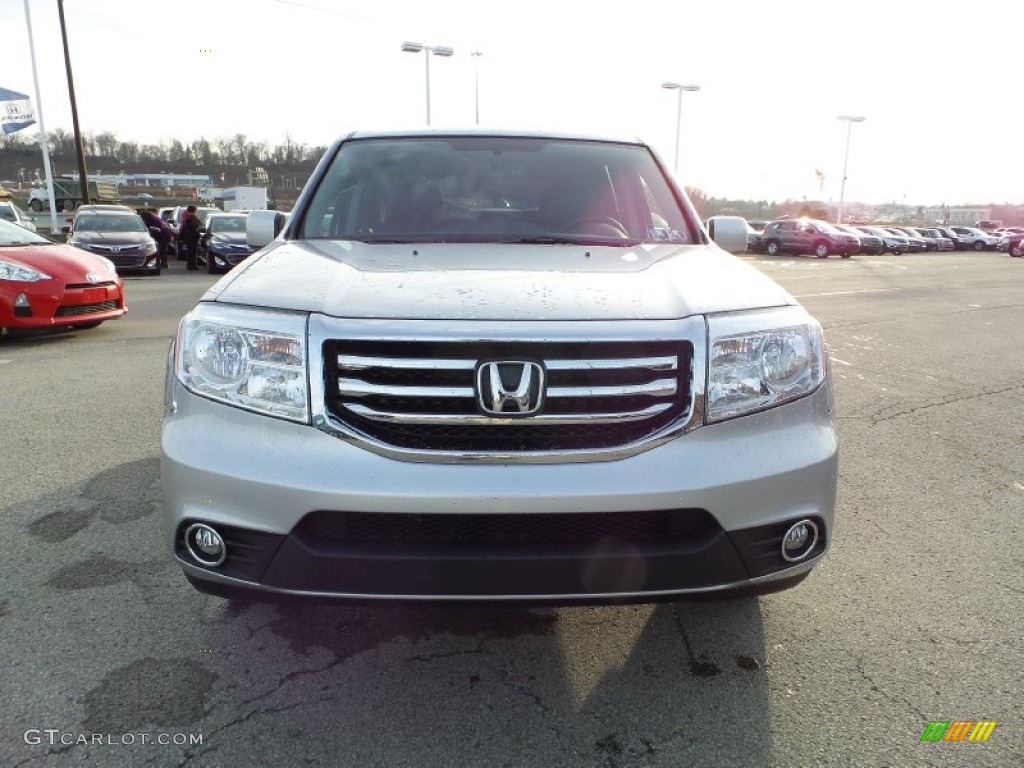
(10, 212)
(109, 223)
(495, 189)
(824, 226)
(12, 234)
(217, 224)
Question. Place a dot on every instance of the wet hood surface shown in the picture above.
(467, 281)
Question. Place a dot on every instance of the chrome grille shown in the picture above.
(423, 395)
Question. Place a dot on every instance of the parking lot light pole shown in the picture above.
(476, 83)
(436, 50)
(679, 88)
(83, 175)
(850, 120)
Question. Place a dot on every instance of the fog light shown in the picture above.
(799, 541)
(205, 545)
(22, 308)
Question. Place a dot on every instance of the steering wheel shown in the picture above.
(602, 222)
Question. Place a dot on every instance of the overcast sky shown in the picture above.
(939, 82)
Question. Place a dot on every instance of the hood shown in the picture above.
(463, 281)
(112, 238)
(232, 238)
(63, 262)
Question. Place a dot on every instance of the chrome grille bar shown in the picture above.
(357, 388)
(650, 363)
(546, 419)
(362, 362)
(660, 388)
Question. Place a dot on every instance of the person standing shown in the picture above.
(188, 236)
(162, 233)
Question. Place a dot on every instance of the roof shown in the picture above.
(487, 132)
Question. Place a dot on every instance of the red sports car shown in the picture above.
(44, 284)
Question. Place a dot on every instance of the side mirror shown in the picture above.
(262, 227)
(728, 232)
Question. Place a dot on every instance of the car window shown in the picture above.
(227, 224)
(494, 189)
(12, 234)
(100, 223)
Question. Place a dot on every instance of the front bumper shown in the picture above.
(127, 258)
(285, 496)
(51, 304)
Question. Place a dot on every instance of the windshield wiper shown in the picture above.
(625, 242)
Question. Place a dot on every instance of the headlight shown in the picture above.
(19, 273)
(762, 359)
(246, 358)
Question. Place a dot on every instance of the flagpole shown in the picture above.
(43, 142)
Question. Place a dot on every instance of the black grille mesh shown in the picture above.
(74, 310)
(508, 530)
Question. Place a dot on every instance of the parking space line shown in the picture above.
(845, 293)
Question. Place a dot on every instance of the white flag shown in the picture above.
(15, 111)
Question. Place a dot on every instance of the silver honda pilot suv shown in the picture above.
(496, 366)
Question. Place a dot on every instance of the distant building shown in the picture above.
(153, 179)
(955, 216)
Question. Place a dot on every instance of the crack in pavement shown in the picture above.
(889, 696)
(951, 399)
(450, 654)
(46, 754)
(546, 709)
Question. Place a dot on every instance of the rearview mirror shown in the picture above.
(728, 232)
(262, 227)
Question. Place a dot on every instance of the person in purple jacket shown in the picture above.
(162, 233)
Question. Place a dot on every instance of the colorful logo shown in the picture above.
(958, 730)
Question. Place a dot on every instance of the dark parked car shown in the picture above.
(871, 244)
(895, 244)
(755, 238)
(1012, 243)
(223, 244)
(117, 232)
(960, 243)
(915, 243)
(942, 243)
(913, 234)
(808, 236)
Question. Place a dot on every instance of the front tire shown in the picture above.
(978, 245)
(772, 248)
(35, 205)
(1017, 250)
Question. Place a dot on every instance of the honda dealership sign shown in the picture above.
(15, 111)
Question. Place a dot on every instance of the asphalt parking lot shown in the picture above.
(915, 616)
